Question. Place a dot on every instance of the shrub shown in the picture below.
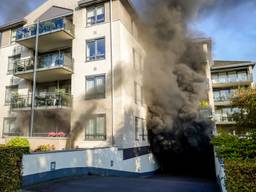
(45, 148)
(11, 167)
(235, 147)
(240, 175)
(18, 142)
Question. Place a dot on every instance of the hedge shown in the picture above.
(11, 167)
(240, 175)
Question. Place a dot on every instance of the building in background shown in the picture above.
(227, 78)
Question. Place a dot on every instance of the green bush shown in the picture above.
(235, 147)
(240, 175)
(11, 167)
(45, 148)
(18, 142)
(239, 155)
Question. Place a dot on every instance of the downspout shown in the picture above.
(34, 82)
(112, 70)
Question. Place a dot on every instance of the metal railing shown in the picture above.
(42, 100)
(223, 118)
(233, 80)
(49, 26)
(52, 60)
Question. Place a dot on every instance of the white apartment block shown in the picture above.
(87, 91)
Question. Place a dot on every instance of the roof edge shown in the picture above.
(12, 24)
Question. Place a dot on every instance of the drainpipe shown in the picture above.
(112, 70)
(34, 82)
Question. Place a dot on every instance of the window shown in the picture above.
(9, 93)
(232, 76)
(95, 49)
(9, 127)
(137, 60)
(140, 129)
(138, 93)
(95, 87)
(12, 62)
(96, 128)
(242, 76)
(95, 15)
(13, 36)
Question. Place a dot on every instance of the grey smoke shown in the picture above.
(16, 9)
(174, 76)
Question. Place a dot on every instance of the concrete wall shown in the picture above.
(107, 161)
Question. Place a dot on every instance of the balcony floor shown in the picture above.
(49, 41)
(47, 74)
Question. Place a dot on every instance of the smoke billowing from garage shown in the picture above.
(174, 79)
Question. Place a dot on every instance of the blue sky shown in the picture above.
(230, 23)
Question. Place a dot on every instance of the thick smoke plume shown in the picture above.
(174, 78)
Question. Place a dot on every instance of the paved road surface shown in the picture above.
(120, 184)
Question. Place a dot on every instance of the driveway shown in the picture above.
(121, 184)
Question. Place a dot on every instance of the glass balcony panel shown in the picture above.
(49, 99)
(50, 26)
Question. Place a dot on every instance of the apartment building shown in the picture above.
(71, 76)
(227, 78)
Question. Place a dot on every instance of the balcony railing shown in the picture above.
(48, 61)
(58, 100)
(45, 27)
(223, 99)
(225, 118)
(233, 80)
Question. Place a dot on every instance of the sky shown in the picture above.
(230, 23)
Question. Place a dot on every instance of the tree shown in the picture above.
(245, 116)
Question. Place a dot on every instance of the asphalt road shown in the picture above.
(120, 184)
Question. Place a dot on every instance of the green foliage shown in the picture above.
(239, 154)
(45, 148)
(11, 167)
(18, 142)
(235, 147)
(240, 175)
(245, 100)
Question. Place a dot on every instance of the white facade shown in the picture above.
(119, 106)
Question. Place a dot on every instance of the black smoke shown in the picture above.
(175, 82)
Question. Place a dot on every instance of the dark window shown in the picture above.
(9, 127)
(95, 49)
(96, 128)
(95, 87)
(12, 62)
(95, 15)
(140, 129)
(9, 93)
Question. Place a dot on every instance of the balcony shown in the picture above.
(53, 34)
(226, 82)
(44, 101)
(224, 119)
(222, 101)
(51, 67)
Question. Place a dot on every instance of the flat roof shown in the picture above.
(222, 64)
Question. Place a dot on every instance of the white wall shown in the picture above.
(96, 158)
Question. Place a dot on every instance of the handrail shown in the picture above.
(59, 59)
(49, 99)
(45, 27)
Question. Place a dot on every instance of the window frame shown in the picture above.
(88, 58)
(6, 88)
(7, 119)
(95, 8)
(96, 96)
(143, 134)
(95, 135)
(12, 42)
(18, 57)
